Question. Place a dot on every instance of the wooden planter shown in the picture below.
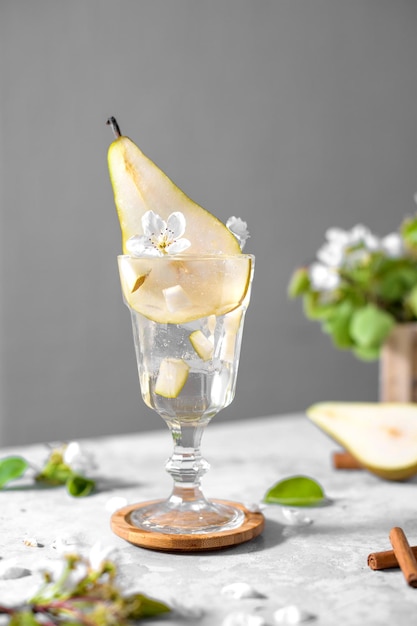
(398, 365)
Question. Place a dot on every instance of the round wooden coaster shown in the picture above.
(121, 525)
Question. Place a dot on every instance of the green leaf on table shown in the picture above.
(12, 467)
(295, 491)
(139, 606)
(370, 326)
(79, 486)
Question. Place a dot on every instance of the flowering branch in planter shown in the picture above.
(360, 286)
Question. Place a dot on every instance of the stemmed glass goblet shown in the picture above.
(187, 315)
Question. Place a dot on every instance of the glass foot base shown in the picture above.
(182, 541)
(182, 517)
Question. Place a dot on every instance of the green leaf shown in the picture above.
(295, 491)
(366, 354)
(370, 326)
(12, 467)
(338, 325)
(79, 486)
(409, 233)
(396, 280)
(23, 618)
(314, 309)
(299, 283)
(412, 300)
(139, 606)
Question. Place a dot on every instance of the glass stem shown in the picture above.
(186, 464)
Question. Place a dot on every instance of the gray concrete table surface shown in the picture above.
(321, 567)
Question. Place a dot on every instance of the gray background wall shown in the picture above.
(296, 115)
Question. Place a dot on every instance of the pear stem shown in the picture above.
(114, 126)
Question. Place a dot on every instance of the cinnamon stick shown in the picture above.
(405, 557)
(385, 559)
(345, 460)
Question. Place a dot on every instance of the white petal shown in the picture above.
(292, 614)
(98, 554)
(139, 245)
(358, 233)
(32, 542)
(337, 235)
(331, 254)
(178, 246)
(392, 245)
(115, 503)
(371, 242)
(72, 450)
(296, 518)
(239, 229)
(322, 277)
(239, 591)
(176, 224)
(237, 226)
(152, 223)
(78, 459)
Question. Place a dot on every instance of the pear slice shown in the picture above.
(139, 186)
(382, 437)
(172, 376)
(203, 345)
(178, 290)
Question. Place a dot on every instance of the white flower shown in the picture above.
(338, 236)
(56, 570)
(239, 229)
(77, 458)
(160, 237)
(322, 277)
(359, 234)
(392, 245)
(32, 542)
(331, 254)
(98, 554)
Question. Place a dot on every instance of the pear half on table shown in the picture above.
(382, 437)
